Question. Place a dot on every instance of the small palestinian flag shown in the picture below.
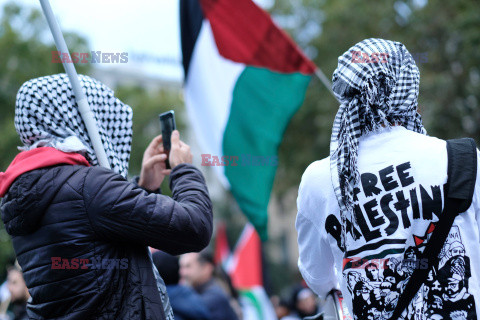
(222, 249)
(244, 80)
(246, 271)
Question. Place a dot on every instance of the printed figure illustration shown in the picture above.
(376, 288)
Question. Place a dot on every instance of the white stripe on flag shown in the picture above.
(256, 305)
(208, 94)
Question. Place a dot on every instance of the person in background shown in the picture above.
(4, 300)
(223, 279)
(186, 303)
(197, 269)
(18, 293)
(280, 305)
(305, 302)
(302, 303)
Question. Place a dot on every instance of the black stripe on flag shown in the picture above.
(191, 18)
(375, 245)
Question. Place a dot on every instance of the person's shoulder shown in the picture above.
(316, 194)
(98, 170)
(98, 174)
(317, 173)
(72, 176)
(423, 141)
(180, 290)
(214, 292)
(317, 180)
(215, 297)
(93, 183)
(214, 288)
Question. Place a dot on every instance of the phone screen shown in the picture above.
(167, 122)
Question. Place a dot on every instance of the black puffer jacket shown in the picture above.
(62, 214)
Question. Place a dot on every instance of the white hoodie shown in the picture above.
(398, 200)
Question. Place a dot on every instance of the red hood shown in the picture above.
(35, 159)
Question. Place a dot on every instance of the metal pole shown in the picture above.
(82, 102)
(324, 80)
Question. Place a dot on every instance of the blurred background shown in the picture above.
(443, 37)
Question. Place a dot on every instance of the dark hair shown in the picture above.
(371, 264)
(413, 250)
(206, 256)
(368, 271)
(389, 273)
(167, 266)
(358, 286)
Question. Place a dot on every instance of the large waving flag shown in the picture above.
(245, 269)
(244, 80)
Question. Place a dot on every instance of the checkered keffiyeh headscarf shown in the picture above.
(376, 82)
(46, 114)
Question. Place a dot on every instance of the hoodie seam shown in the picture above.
(84, 192)
(37, 201)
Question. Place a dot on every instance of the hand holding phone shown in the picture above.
(180, 152)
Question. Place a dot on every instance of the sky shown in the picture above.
(148, 28)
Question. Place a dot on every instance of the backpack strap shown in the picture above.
(458, 191)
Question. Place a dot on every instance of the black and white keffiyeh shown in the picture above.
(377, 83)
(46, 114)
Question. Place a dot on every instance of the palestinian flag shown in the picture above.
(246, 272)
(244, 80)
(222, 249)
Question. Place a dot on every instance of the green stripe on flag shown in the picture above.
(263, 104)
(250, 295)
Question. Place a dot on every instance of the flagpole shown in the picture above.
(320, 75)
(82, 102)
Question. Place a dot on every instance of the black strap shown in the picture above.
(462, 173)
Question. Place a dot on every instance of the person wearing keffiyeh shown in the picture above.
(81, 232)
(374, 200)
(372, 96)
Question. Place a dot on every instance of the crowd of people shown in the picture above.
(200, 290)
(197, 289)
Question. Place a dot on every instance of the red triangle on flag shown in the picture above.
(418, 240)
(246, 269)
(345, 261)
(431, 227)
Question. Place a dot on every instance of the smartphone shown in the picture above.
(167, 122)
